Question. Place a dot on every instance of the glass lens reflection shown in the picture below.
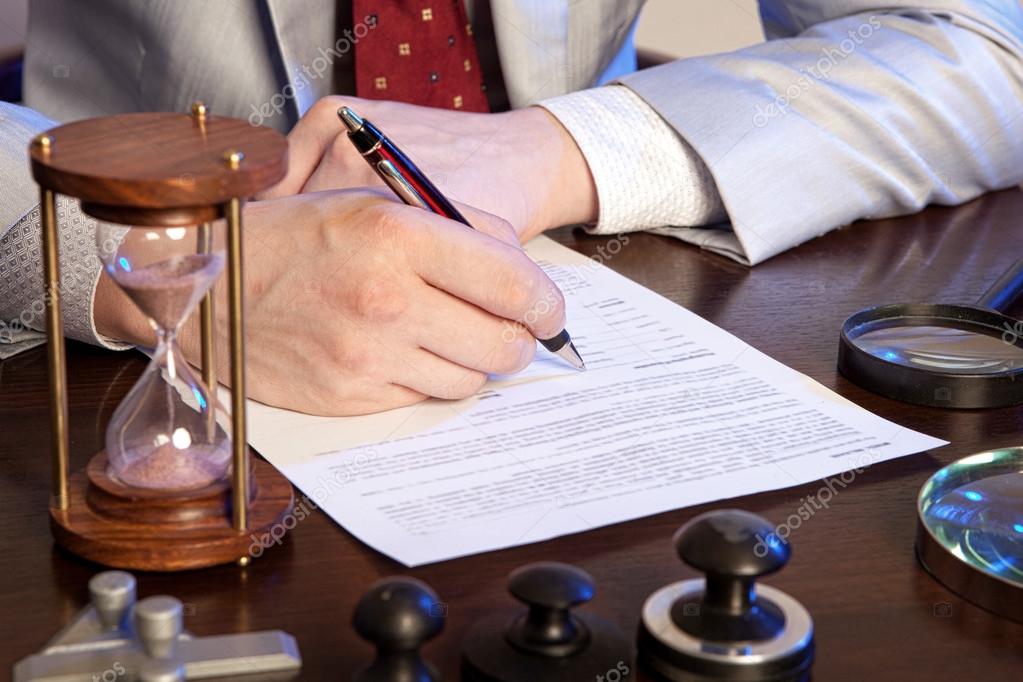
(973, 509)
(941, 349)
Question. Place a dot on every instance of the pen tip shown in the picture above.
(569, 353)
(351, 120)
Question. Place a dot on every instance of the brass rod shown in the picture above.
(236, 299)
(204, 245)
(209, 374)
(56, 362)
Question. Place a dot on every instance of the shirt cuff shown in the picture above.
(22, 298)
(646, 175)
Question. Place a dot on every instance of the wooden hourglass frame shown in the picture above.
(160, 170)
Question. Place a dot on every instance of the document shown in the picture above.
(672, 412)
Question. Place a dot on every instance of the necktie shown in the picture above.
(417, 51)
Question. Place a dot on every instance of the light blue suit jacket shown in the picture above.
(859, 109)
(853, 109)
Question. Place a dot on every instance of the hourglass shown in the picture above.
(175, 486)
(165, 435)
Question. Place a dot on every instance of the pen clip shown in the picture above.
(397, 182)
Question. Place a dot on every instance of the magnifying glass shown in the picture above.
(970, 529)
(940, 355)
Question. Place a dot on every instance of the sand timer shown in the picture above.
(165, 434)
(175, 486)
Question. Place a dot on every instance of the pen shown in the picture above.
(415, 189)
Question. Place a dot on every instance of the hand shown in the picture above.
(521, 165)
(356, 304)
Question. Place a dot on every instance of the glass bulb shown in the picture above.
(165, 434)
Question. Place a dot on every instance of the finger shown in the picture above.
(484, 271)
(341, 167)
(432, 375)
(489, 224)
(307, 142)
(469, 336)
(359, 397)
(374, 399)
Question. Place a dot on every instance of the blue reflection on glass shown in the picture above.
(974, 512)
(124, 263)
(198, 398)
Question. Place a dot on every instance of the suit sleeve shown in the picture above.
(22, 301)
(850, 112)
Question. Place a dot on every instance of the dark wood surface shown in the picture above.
(878, 615)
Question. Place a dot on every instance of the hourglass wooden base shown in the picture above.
(136, 528)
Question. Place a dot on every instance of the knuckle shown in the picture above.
(378, 299)
(518, 292)
(389, 226)
(354, 358)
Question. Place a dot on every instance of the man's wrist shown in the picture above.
(561, 186)
(115, 316)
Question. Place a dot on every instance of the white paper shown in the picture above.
(672, 412)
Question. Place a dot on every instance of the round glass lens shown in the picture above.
(941, 349)
(973, 509)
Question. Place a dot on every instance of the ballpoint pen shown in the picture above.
(415, 189)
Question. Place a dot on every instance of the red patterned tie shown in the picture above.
(418, 51)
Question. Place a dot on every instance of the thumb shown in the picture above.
(308, 141)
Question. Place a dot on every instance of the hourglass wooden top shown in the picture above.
(158, 168)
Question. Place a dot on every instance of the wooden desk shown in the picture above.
(878, 615)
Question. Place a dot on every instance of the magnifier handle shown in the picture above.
(1004, 292)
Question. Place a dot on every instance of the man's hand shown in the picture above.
(356, 304)
(521, 165)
